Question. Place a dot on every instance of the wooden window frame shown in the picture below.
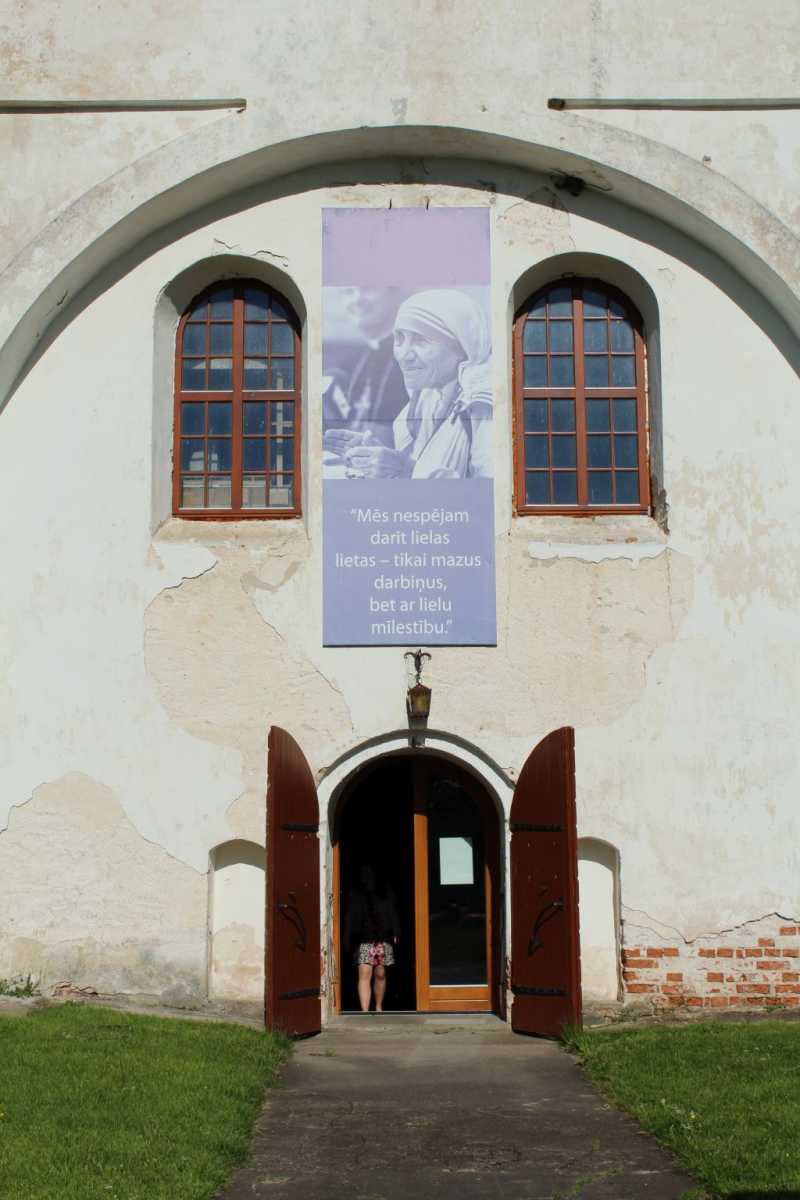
(579, 394)
(237, 395)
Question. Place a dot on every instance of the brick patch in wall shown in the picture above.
(755, 964)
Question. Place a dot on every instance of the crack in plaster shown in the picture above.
(690, 941)
(236, 248)
(594, 553)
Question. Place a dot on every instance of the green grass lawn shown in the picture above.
(725, 1098)
(102, 1105)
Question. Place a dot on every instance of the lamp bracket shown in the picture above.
(417, 656)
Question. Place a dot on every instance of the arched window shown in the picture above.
(237, 405)
(580, 403)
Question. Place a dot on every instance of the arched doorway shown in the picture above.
(431, 832)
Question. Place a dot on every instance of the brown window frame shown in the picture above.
(237, 395)
(579, 393)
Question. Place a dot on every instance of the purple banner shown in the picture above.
(407, 428)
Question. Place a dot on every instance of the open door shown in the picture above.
(292, 1001)
(545, 953)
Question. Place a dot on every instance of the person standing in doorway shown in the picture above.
(372, 931)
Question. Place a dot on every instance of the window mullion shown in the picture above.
(580, 398)
(236, 398)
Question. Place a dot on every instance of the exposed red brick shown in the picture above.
(790, 976)
(791, 989)
(790, 952)
(671, 989)
(703, 953)
(670, 951)
(715, 976)
(769, 964)
(631, 953)
(675, 976)
(695, 1001)
(626, 974)
(788, 931)
(761, 988)
(641, 962)
(766, 941)
(675, 1000)
(716, 1001)
(725, 952)
(740, 953)
(654, 951)
(753, 952)
(641, 987)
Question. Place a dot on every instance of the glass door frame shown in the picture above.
(456, 997)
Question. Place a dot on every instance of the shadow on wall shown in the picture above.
(598, 891)
(236, 900)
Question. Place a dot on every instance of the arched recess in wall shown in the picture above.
(638, 290)
(236, 899)
(598, 891)
(172, 301)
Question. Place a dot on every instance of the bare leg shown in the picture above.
(364, 985)
(380, 987)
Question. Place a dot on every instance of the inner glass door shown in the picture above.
(453, 892)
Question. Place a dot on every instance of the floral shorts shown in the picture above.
(374, 954)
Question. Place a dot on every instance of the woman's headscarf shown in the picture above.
(445, 313)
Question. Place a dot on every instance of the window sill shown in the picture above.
(592, 538)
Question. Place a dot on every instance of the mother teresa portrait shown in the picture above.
(442, 347)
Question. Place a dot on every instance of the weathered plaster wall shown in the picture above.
(86, 899)
(154, 664)
(236, 922)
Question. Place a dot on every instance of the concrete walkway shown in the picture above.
(451, 1108)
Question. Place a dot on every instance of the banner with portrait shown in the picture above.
(407, 406)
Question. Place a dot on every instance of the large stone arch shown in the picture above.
(123, 218)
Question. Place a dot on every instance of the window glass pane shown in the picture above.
(535, 371)
(533, 337)
(560, 302)
(255, 339)
(192, 492)
(622, 371)
(561, 372)
(282, 377)
(563, 449)
(625, 450)
(565, 487)
(561, 335)
(598, 451)
(255, 373)
(624, 413)
(281, 416)
(221, 339)
(219, 492)
(281, 454)
(597, 415)
(599, 487)
(200, 312)
(282, 339)
(194, 339)
(595, 335)
(193, 378)
(220, 418)
(595, 304)
(535, 451)
(192, 458)
(254, 491)
(616, 309)
(279, 313)
(538, 307)
(536, 488)
(535, 415)
(255, 416)
(255, 305)
(219, 454)
(621, 336)
(596, 372)
(281, 491)
(220, 376)
(562, 415)
(193, 418)
(222, 304)
(627, 487)
(255, 454)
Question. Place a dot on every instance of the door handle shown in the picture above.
(295, 917)
(548, 912)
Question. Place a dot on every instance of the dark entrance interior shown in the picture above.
(376, 826)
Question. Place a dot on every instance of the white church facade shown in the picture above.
(602, 804)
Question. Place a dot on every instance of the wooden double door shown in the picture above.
(430, 831)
